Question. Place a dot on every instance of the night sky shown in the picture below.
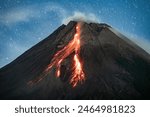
(23, 23)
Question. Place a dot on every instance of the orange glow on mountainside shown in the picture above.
(77, 70)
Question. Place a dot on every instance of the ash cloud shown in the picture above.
(79, 16)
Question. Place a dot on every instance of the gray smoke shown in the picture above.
(79, 16)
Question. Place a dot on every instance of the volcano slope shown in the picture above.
(113, 66)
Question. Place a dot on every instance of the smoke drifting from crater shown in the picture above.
(79, 16)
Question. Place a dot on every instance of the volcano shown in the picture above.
(79, 61)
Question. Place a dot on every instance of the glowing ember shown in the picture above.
(73, 45)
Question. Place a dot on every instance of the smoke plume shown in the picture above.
(79, 16)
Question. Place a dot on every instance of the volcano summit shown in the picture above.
(79, 61)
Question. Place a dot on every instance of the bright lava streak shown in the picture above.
(77, 70)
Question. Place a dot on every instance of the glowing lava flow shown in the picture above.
(73, 46)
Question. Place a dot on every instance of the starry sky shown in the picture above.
(23, 23)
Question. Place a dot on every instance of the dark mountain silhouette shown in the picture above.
(114, 67)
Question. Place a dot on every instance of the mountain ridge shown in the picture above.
(114, 68)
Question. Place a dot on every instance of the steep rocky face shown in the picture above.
(114, 67)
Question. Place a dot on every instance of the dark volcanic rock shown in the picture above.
(115, 67)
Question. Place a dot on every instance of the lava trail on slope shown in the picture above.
(73, 46)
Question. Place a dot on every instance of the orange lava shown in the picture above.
(77, 70)
(78, 74)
